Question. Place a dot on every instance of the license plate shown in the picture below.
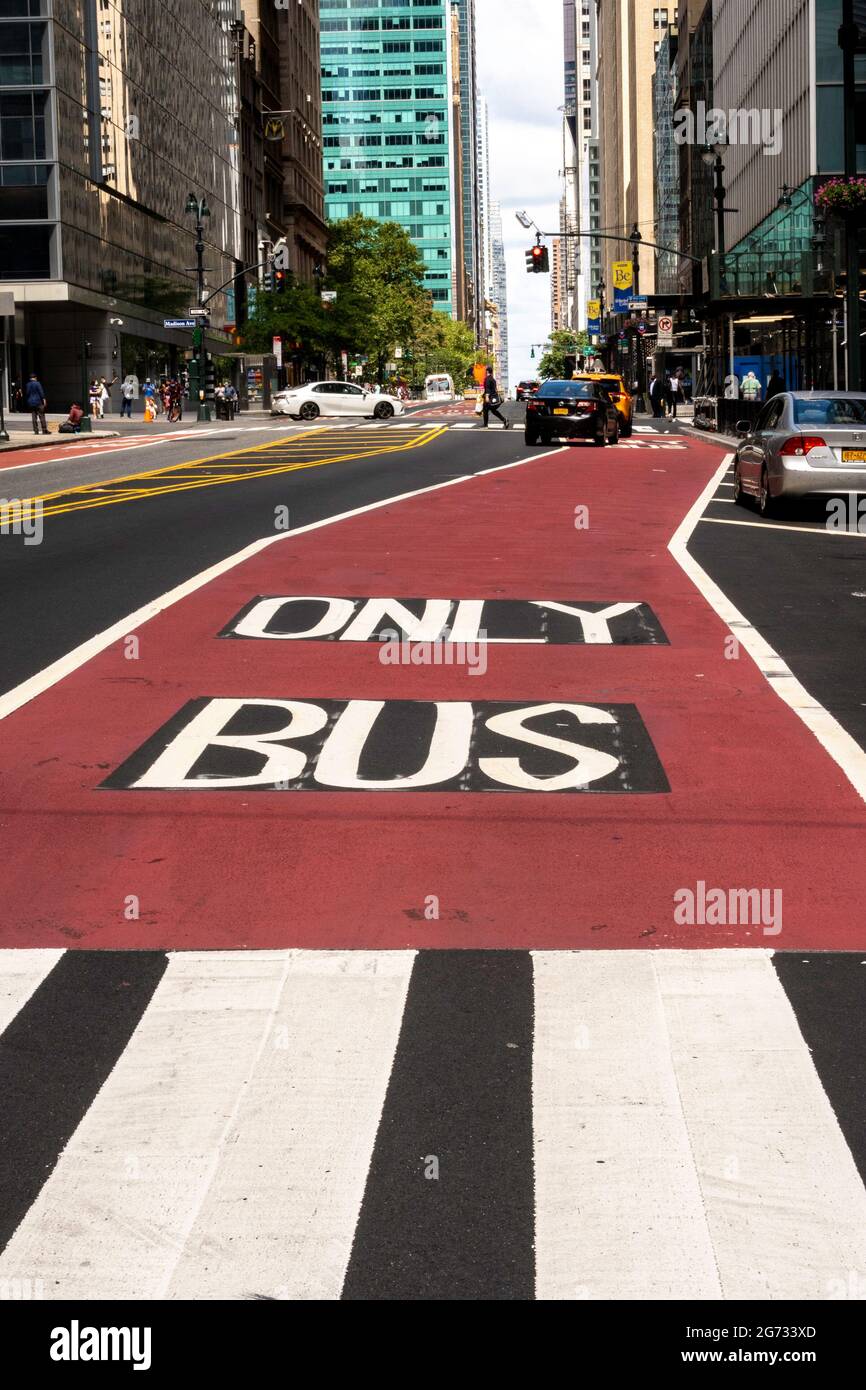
(563, 410)
(854, 455)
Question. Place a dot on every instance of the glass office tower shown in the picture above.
(387, 131)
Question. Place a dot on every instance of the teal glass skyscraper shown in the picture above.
(387, 132)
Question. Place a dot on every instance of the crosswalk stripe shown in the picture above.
(55, 1055)
(226, 1155)
(618, 1203)
(265, 1124)
(22, 973)
(447, 1211)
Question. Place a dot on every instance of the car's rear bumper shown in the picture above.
(571, 428)
(799, 479)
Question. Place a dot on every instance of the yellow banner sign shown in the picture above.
(593, 308)
(623, 275)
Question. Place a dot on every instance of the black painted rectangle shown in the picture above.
(502, 620)
(55, 1056)
(448, 1209)
(398, 742)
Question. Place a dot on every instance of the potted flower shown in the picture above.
(842, 196)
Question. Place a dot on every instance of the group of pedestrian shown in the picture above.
(667, 392)
(750, 388)
(228, 396)
(99, 395)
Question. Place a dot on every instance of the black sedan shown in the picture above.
(571, 410)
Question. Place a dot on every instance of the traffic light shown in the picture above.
(268, 277)
(279, 281)
(537, 260)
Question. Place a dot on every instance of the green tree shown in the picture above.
(296, 313)
(562, 344)
(377, 272)
(444, 344)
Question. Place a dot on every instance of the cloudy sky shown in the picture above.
(520, 56)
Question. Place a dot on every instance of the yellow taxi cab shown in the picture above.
(619, 394)
(471, 393)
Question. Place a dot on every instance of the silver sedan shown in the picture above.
(803, 442)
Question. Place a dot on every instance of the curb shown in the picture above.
(38, 441)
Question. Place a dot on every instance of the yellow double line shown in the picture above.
(323, 445)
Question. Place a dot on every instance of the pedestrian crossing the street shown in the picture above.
(435, 1124)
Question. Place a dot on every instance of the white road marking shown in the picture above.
(43, 680)
(226, 1155)
(21, 974)
(843, 749)
(684, 1145)
(770, 527)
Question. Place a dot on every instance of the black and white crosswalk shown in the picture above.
(495, 1125)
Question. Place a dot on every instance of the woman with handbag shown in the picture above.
(492, 401)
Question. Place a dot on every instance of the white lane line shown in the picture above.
(619, 1212)
(85, 651)
(843, 749)
(770, 526)
(227, 1153)
(21, 974)
(785, 1205)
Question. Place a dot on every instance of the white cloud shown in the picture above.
(520, 71)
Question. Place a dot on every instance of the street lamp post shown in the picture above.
(635, 240)
(712, 157)
(198, 208)
(85, 426)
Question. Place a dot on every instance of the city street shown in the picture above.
(553, 985)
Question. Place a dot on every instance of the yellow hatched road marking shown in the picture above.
(92, 495)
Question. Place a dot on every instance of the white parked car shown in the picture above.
(334, 398)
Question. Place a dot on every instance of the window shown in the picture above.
(24, 192)
(22, 125)
(829, 412)
(21, 54)
(660, 19)
(25, 253)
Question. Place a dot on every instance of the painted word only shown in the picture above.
(539, 622)
(218, 744)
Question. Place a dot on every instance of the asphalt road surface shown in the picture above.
(433, 870)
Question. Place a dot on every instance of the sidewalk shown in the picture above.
(26, 439)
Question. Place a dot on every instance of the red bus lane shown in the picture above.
(682, 783)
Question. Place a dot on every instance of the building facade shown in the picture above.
(300, 99)
(388, 136)
(500, 294)
(629, 32)
(776, 295)
(666, 226)
(111, 112)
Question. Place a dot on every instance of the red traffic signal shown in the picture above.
(537, 260)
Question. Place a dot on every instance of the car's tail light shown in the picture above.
(531, 405)
(588, 405)
(800, 445)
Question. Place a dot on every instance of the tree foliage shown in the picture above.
(562, 344)
(377, 273)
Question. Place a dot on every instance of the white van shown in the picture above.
(439, 388)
